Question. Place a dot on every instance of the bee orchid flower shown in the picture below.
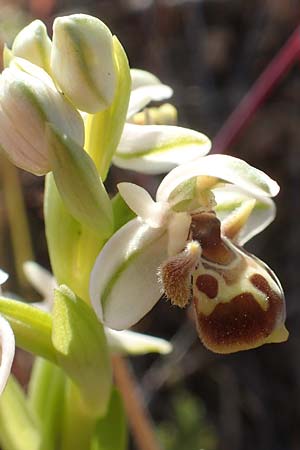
(188, 245)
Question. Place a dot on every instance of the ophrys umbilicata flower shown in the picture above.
(187, 244)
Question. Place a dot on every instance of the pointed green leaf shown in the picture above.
(32, 327)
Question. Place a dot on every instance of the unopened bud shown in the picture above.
(82, 61)
(33, 43)
(29, 100)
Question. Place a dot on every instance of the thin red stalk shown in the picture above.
(138, 416)
(270, 77)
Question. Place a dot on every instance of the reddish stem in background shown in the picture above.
(256, 96)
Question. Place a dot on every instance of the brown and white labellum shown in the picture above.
(238, 301)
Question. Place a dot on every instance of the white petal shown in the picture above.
(129, 342)
(230, 199)
(140, 97)
(178, 231)
(142, 78)
(138, 199)
(7, 340)
(43, 281)
(156, 149)
(123, 284)
(224, 167)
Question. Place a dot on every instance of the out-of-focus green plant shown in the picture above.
(187, 427)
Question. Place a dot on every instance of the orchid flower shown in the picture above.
(152, 148)
(124, 342)
(187, 245)
(7, 343)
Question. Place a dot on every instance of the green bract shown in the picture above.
(81, 349)
(79, 184)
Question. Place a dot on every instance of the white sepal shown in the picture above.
(155, 149)
(140, 97)
(43, 282)
(131, 343)
(141, 77)
(3, 277)
(225, 168)
(123, 283)
(7, 342)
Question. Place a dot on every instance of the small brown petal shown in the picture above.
(175, 274)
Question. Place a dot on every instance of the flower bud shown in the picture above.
(82, 61)
(29, 100)
(33, 43)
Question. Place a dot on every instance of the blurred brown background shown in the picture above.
(210, 52)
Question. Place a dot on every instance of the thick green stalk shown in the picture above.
(78, 424)
(73, 247)
(18, 427)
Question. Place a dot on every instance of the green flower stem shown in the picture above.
(73, 248)
(18, 427)
(104, 129)
(32, 327)
(20, 235)
(78, 424)
(46, 395)
(88, 246)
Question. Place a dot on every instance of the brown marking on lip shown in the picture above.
(208, 284)
(261, 284)
(241, 323)
(206, 229)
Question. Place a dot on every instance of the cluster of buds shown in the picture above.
(40, 86)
